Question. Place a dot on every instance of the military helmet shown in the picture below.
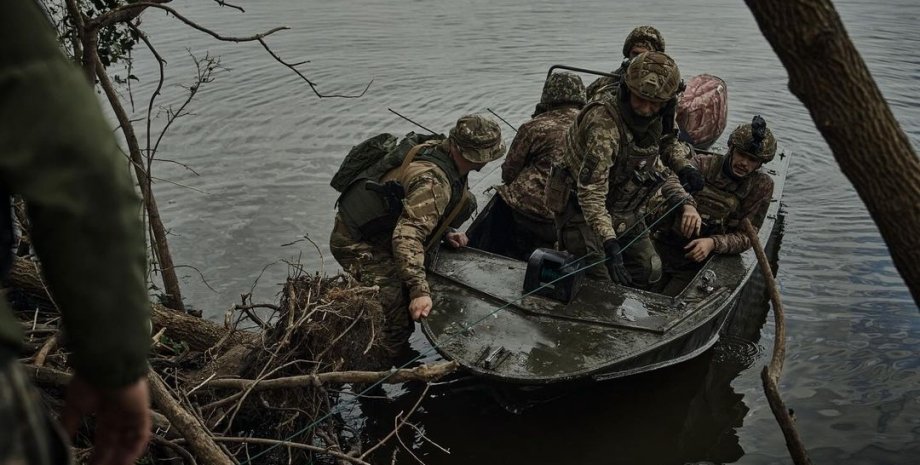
(478, 138)
(562, 88)
(646, 36)
(754, 139)
(653, 76)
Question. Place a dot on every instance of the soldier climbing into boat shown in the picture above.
(386, 246)
(675, 154)
(736, 188)
(611, 164)
(536, 147)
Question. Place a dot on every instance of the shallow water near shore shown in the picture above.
(265, 148)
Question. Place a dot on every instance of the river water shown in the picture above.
(264, 148)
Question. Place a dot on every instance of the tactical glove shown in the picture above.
(691, 179)
(614, 263)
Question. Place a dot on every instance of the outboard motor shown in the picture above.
(553, 273)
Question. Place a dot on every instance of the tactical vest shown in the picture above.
(634, 176)
(717, 205)
(366, 213)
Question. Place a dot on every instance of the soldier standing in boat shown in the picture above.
(388, 248)
(536, 147)
(675, 154)
(610, 167)
(736, 188)
(640, 40)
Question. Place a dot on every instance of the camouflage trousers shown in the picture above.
(639, 254)
(373, 265)
(28, 436)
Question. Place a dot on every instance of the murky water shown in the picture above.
(264, 148)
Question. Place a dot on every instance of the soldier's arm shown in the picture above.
(427, 196)
(674, 153)
(754, 208)
(60, 155)
(673, 192)
(600, 137)
(517, 155)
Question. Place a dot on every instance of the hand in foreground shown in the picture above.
(691, 179)
(420, 307)
(699, 249)
(456, 239)
(690, 221)
(122, 419)
(614, 263)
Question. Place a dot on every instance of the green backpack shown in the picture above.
(373, 157)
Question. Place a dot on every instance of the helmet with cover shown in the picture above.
(646, 37)
(754, 139)
(653, 76)
(478, 138)
(563, 88)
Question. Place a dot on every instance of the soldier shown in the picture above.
(736, 188)
(611, 161)
(641, 39)
(390, 253)
(59, 154)
(675, 154)
(536, 147)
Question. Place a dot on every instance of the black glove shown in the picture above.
(691, 179)
(614, 263)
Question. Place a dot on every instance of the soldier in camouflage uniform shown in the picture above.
(436, 193)
(675, 154)
(536, 147)
(611, 161)
(57, 152)
(641, 39)
(736, 188)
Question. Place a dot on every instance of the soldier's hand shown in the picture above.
(614, 263)
(691, 179)
(122, 419)
(690, 221)
(420, 307)
(456, 239)
(699, 249)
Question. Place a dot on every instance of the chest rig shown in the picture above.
(720, 200)
(634, 176)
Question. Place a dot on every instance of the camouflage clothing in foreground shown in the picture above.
(538, 144)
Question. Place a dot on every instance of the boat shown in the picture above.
(592, 330)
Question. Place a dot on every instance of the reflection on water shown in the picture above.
(265, 148)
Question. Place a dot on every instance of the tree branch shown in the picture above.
(421, 373)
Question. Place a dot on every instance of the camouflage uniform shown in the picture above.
(395, 259)
(613, 162)
(536, 147)
(57, 152)
(722, 204)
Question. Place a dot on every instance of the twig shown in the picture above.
(771, 373)
(308, 81)
(186, 456)
(295, 445)
(223, 3)
(200, 275)
(426, 438)
(47, 347)
(398, 438)
(420, 373)
(398, 425)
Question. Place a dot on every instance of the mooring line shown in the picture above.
(431, 350)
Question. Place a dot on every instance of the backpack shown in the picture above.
(373, 157)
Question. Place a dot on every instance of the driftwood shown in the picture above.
(272, 382)
(771, 373)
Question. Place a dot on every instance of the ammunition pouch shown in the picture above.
(559, 187)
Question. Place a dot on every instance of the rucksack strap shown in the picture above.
(410, 155)
(435, 238)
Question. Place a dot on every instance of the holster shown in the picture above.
(558, 189)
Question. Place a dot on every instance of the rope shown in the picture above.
(432, 351)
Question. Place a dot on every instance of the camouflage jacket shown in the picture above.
(58, 152)
(538, 144)
(427, 198)
(592, 146)
(757, 189)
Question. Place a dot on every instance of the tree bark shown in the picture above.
(829, 76)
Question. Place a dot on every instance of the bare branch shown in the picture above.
(291, 66)
(421, 373)
(223, 3)
(295, 445)
(201, 28)
(398, 425)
